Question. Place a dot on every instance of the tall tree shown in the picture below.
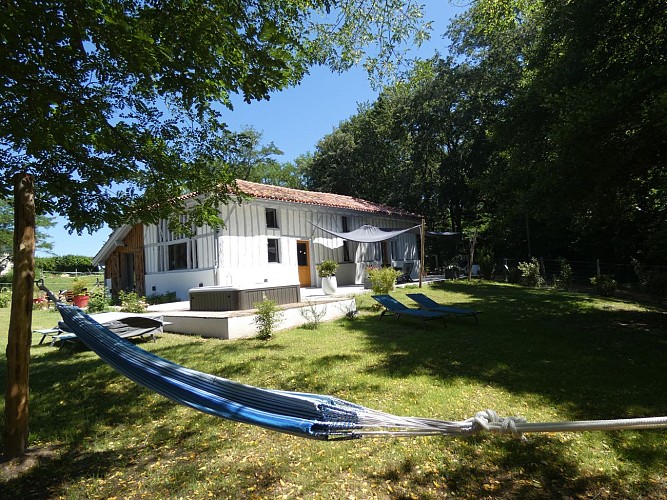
(580, 146)
(96, 95)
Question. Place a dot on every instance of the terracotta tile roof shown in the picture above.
(268, 192)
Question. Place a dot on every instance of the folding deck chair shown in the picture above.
(393, 306)
(428, 304)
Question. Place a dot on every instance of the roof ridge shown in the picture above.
(282, 193)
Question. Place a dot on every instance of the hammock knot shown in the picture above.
(489, 420)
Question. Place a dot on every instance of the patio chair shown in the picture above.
(128, 327)
(393, 306)
(406, 271)
(428, 304)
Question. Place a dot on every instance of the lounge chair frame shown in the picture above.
(398, 309)
(428, 304)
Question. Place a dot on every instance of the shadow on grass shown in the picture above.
(589, 361)
(592, 362)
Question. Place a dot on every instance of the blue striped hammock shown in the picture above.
(307, 415)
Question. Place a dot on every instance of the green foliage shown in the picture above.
(652, 280)
(65, 263)
(5, 297)
(99, 300)
(487, 262)
(132, 302)
(78, 287)
(163, 298)
(609, 359)
(327, 268)
(8, 278)
(553, 128)
(605, 284)
(531, 274)
(100, 108)
(563, 280)
(42, 222)
(383, 279)
(267, 318)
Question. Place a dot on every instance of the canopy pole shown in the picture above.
(423, 246)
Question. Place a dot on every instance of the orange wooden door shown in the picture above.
(303, 261)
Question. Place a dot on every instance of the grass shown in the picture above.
(540, 354)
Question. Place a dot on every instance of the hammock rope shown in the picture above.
(313, 416)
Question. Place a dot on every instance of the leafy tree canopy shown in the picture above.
(7, 229)
(113, 106)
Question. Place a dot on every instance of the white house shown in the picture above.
(276, 238)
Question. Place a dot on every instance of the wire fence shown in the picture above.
(56, 282)
(581, 272)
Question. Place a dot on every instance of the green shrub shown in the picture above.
(530, 273)
(5, 297)
(512, 275)
(163, 298)
(65, 263)
(78, 287)
(383, 279)
(7, 278)
(327, 268)
(605, 284)
(563, 280)
(487, 263)
(132, 302)
(268, 316)
(98, 301)
(652, 280)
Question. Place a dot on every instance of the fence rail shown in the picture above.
(583, 271)
(59, 281)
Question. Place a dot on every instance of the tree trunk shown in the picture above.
(20, 323)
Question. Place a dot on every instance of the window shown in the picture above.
(178, 256)
(345, 229)
(271, 218)
(273, 249)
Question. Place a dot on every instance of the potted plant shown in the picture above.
(327, 271)
(79, 293)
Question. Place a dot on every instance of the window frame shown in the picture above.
(273, 218)
(276, 252)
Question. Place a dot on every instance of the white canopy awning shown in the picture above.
(369, 234)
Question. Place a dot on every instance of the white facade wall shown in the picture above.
(237, 255)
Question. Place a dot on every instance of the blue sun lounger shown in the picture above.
(393, 306)
(428, 304)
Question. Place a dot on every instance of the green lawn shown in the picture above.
(539, 354)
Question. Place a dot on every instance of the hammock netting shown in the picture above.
(307, 415)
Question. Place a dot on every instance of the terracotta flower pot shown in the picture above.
(80, 300)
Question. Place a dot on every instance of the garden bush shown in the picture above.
(267, 318)
(563, 280)
(530, 273)
(605, 284)
(162, 298)
(5, 297)
(132, 302)
(383, 279)
(99, 300)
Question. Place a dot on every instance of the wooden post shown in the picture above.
(20, 323)
(423, 249)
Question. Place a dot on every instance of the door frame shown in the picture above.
(307, 267)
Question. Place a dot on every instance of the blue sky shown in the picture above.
(296, 118)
